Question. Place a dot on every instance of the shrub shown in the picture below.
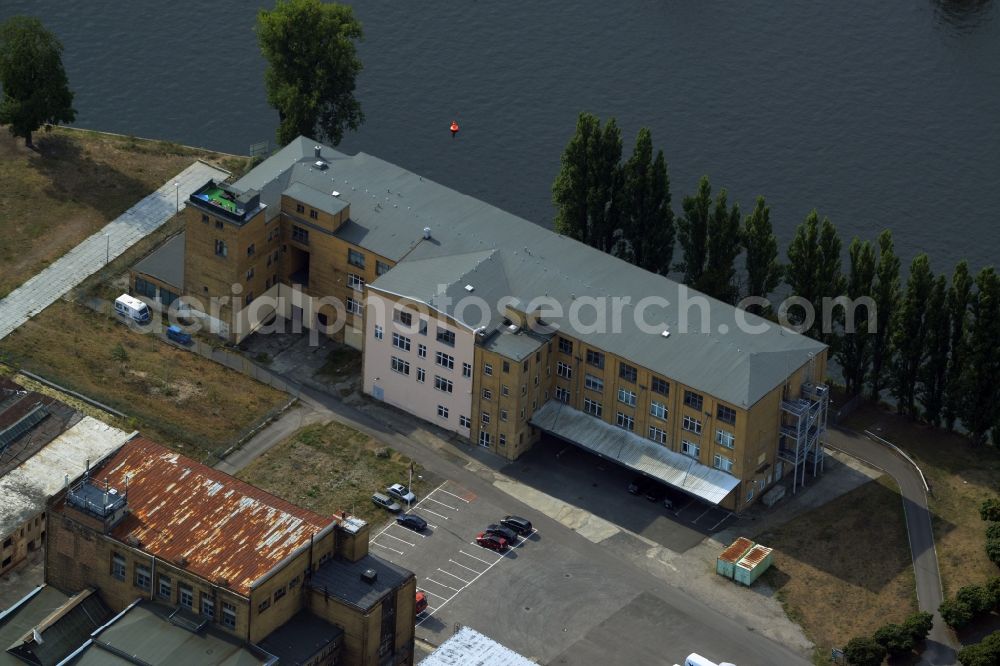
(919, 625)
(977, 597)
(985, 653)
(993, 543)
(956, 613)
(864, 651)
(990, 509)
(895, 638)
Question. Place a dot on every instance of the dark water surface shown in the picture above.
(878, 113)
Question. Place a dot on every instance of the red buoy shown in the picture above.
(454, 129)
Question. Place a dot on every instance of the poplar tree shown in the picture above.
(724, 244)
(692, 232)
(647, 219)
(959, 296)
(886, 294)
(982, 367)
(761, 245)
(813, 272)
(934, 371)
(909, 335)
(855, 351)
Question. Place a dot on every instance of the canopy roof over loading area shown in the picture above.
(634, 452)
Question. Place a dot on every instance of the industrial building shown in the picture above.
(708, 399)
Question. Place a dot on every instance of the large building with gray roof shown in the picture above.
(503, 331)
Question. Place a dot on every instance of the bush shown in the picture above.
(895, 638)
(919, 625)
(985, 653)
(989, 510)
(864, 651)
(978, 598)
(955, 613)
(993, 543)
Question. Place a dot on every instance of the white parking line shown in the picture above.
(447, 506)
(376, 543)
(466, 585)
(435, 513)
(475, 558)
(393, 522)
(446, 573)
(452, 494)
(462, 565)
(453, 589)
(398, 539)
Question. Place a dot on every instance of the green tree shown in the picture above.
(813, 273)
(910, 334)
(312, 67)
(864, 651)
(959, 297)
(761, 245)
(724, 244)
(919, 625)
(854, 355)
(647, 219)
(692, 232)
(934, 372)
(886, 293)
(587, 189)
(989, 510)
(984, 653)
(982, 366)
(993, 543)
(35, 88)
(895, 638)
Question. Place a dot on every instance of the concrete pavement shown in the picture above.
(940, 647)
(95, 252)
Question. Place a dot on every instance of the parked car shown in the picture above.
(421, 603)
(496, 543)
(639, 485)
(386, 502)
(520, 525)
(501, 531)
(412, 521)
(402, 493)
(656, 493)
(176, 334)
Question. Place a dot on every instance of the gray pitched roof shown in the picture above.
(165, 263)
(472, 241)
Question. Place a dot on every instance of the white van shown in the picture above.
(695, 659)
(129, 306)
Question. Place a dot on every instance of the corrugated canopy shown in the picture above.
(634, 452)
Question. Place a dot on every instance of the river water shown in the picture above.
(879, 114)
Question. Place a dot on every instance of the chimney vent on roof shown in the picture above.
(336, 193)
(665, 333)
(427, 232)
(369, 576)
(318, 151)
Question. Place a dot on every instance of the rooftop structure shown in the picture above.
(361, 584)
(165, 263)
(236, 205)
(28, 421)
(467, 646)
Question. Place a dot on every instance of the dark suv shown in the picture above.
(520, 525)
(498, 530)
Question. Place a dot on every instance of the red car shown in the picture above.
(492, 542)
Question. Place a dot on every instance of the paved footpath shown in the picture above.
(94, 252)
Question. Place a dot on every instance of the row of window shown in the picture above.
(356, 258)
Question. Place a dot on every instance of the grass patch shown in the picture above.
(844, 569)
(342, 362)
(960, 477)
(176, 397)
(74, 184)
(331, 467)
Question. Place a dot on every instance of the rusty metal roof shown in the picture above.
(754, 557)
(736, 550)
(214, 525)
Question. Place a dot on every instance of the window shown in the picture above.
(219, 224)
(142, 577)
(525, 365)
(723, 463)
(726, 414)
(503, 414)
(220, 249)
(503, 440)
(400, 342)
(627, 372)
(626, 421)
(522, 413)
(228, 615)
(442, 384)
(292, 584)
(400, 366)
(118, 566)
(487, 394)
(592, 407)
(626, 397)
(690, 449)
(484, 438)
(251, 249)
(300, 235)
(595, 358)
(355, 258)
(250, 274)
(354, 306)
(562, 395)
(466, 370)
(725, 438)
(423, 327)
(264, 605)
(404, 318)
(487, 369)
(421, 375)
(693, 400)
(381, 268)
(658, 409)
(185, 596)
(204, 218)
(248, 299)
(144, 288)
(422, 351)
(524, 389)
(486, 418)
(280, 592)
(378, 332)
(565, 346)
(355, 282)
(504, 390)
(506, 367)
(313, 215)
(660, 386)
(207, 606)
(594, 383)
(444, 360)
(692, 424)
(465, 421)
(299, 208)
(658, 435)
(564, 370)
(165, 588)
(446, 337)
(443, 412)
